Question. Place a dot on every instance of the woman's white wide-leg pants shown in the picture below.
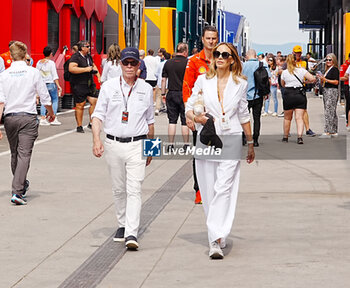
(218, 182)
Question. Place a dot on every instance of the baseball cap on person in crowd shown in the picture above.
(297, 49)
(130, 53)
(260, 53)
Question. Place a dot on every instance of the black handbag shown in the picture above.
(302, 89)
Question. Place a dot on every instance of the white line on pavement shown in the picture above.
(43, 140)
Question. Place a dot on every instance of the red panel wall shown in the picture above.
(5, 23)
(100, 9)
(57, 4)
(88, 7)
(39, 28)
(76, 7)
(21, 21)
(65, 26)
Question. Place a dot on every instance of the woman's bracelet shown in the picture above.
(250, 142)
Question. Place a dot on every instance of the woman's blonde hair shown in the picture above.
(18, 51)
(334, 59)
(235, 68)
(291, 63)
(113, 53)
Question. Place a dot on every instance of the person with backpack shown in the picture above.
(258, 88)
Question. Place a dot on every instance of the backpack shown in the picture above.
(261, 79)
(66, 73)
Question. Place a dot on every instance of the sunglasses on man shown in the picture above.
(133, 63)
(224, 55)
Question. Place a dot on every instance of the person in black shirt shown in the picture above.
(82, 69)
(174, 71)
(330, 82)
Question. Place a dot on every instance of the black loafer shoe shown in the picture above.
(256, 143)
(119, 236)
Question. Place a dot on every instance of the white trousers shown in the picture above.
(218, 183)
(127, 171)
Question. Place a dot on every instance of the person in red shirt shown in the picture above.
(198, 64)
(7, 56)
(345, 87)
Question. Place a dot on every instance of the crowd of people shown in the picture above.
(211, 90)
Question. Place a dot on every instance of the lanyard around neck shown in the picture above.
(127, 99)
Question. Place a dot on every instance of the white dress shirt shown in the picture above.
(110, 106)
(110, 70)
(19, 85)
(234, 102)
(48, 70)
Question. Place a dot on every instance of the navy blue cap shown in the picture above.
(130, 53)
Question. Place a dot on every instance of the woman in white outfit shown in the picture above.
(111, 68)
(223, 91)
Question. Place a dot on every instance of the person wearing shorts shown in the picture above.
(174, 71)
(82, 68)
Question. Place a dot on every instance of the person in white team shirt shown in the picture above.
(19, 85)
(111, 68)
(151, 63)
(48, 71)
(125, 107)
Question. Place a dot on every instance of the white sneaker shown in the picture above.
(56, 122)
(44, 122)
(334, 134)
(264, 114)
(274, 114)
(215, 251)
(156, 112)
(324, 136)
(222, 243)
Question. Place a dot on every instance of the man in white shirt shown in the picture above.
(19, 86)
(151, 63)
(125, 107)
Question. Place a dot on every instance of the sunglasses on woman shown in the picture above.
(224, 55)
(133, 63)
(329, 60)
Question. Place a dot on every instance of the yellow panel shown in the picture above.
(143, 37)
(166, 32)
(121, 34)
(154, 15)
(143, 32)
(346, 35)
(113, 4)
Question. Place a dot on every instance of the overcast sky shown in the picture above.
(271, 21)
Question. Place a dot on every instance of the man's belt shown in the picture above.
(126, 139)
(19, 114)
